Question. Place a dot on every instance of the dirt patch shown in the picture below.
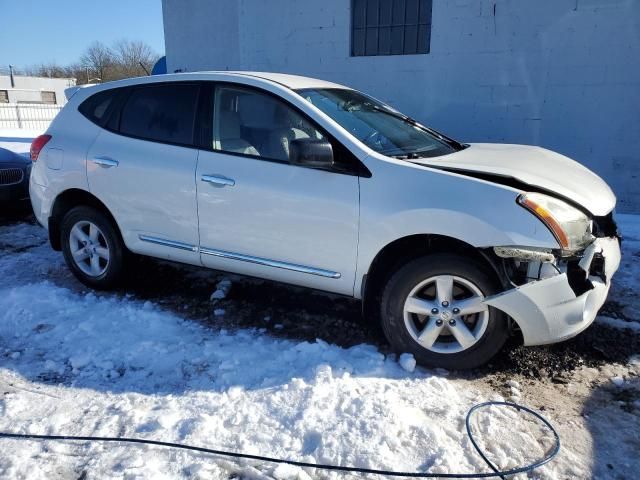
(298, 313)
(598, 345)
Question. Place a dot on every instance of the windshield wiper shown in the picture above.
(411, 155)
(394, 114)
(350, 104)
(407, 156)
(449, 141)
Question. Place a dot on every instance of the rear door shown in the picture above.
(142, 166)
(259, 215)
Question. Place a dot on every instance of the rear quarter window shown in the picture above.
(95, 107)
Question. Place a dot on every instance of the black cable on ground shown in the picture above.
(389, 473)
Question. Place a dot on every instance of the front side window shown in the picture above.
(252, 123)
(379, 126)
(163, 113)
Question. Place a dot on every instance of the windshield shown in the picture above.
(378, 125)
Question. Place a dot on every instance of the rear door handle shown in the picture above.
(105, 162)
(218, 180)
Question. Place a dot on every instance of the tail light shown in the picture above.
(37, 145)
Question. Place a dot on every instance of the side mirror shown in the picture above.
(308, 152)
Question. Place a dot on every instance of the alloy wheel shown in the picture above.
(89, 248)
(446, 314)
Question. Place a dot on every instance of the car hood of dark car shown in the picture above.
(12, 159)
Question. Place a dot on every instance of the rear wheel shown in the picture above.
(433, 307)
(92, 247)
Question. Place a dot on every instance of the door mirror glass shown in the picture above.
(309, 152)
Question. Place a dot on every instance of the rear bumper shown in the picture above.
(549, 311)
(40, 203)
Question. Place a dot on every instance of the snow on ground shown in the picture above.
(625, 291)
(79, 363)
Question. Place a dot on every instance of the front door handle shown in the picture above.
(218, 180)
(105, 162)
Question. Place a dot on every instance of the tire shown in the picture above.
(85, 223)
(426, 280)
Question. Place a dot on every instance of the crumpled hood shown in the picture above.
(534, 166)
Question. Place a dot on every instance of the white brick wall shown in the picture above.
(564, 74)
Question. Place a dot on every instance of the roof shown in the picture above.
(291, 81)
(294, 82)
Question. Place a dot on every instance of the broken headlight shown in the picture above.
(570, 226)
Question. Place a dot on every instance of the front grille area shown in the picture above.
(605, 226)
(9, 176)
(578, 280)
(597, 267)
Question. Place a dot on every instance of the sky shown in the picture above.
(38, 31)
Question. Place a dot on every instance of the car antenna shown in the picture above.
(144, 68)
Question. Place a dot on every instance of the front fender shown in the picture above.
(402, 199)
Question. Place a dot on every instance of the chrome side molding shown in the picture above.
(168, 243)
(240, 257)
(270, 263)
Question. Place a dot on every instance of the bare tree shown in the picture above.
(100, 63)
(134, 58)
(79, 72)
(98, 59)
(51, 70)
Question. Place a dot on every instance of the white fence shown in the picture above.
(32, 116)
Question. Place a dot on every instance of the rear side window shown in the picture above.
(163, 113)
(95, 107)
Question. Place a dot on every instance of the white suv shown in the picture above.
(451, 246)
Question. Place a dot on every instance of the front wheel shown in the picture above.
(433, 308)
(92, 247)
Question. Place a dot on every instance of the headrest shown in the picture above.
(229, 125)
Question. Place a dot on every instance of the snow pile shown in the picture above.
(88, 364)
(514, 390)
(408, 362)
(222, 289)
(113, 366)
(624, 291)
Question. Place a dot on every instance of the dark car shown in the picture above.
(14, 179)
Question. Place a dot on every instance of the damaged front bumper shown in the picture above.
(562, 305)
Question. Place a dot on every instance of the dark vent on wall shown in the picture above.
(390, 27)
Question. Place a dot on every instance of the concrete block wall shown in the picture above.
(563, 74)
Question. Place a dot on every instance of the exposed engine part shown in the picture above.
(525, 254)
(540, 270)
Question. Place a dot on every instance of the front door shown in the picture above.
(260, 215)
